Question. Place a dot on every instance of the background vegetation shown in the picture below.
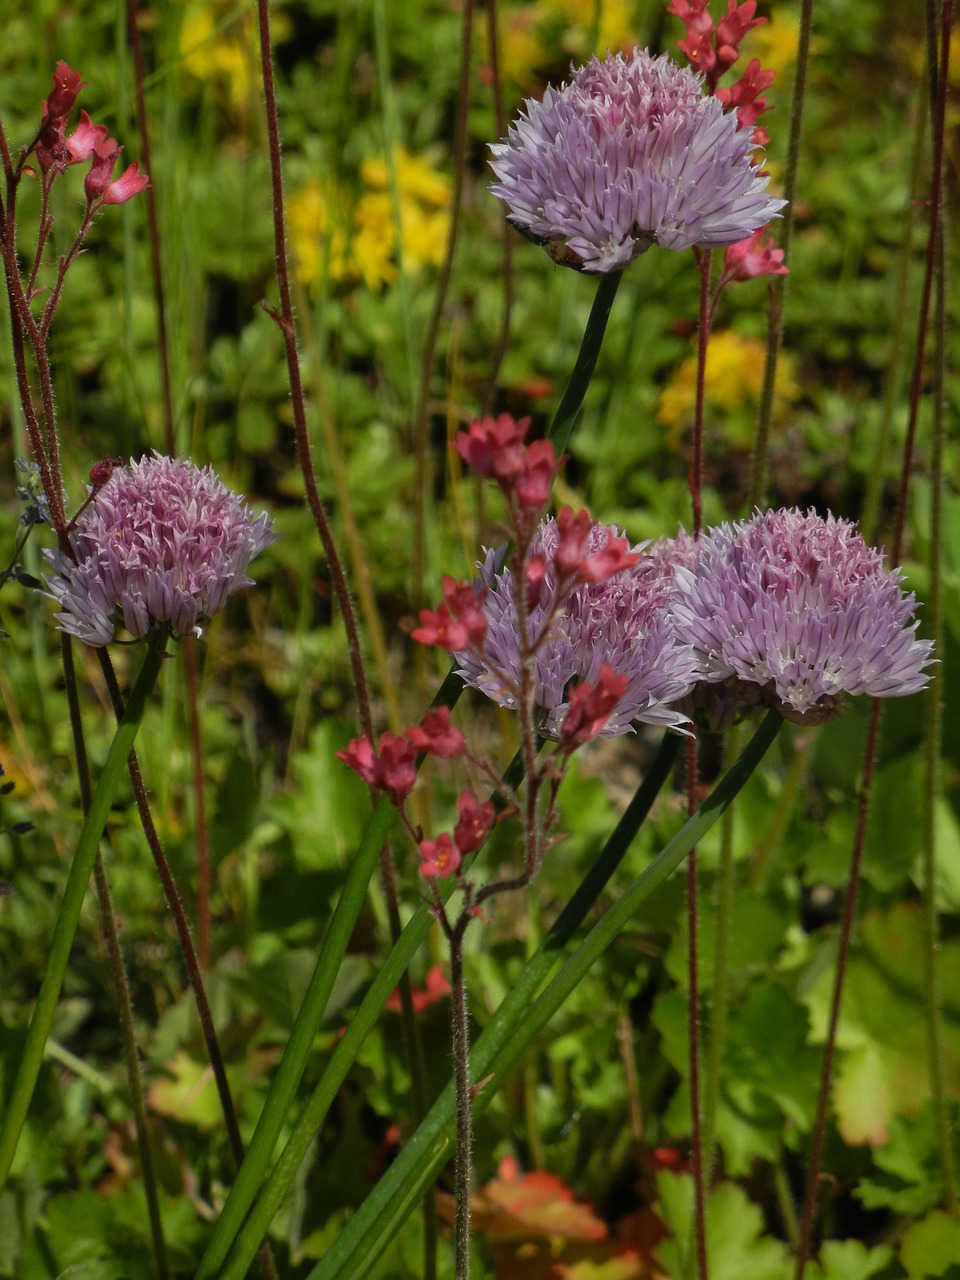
(600, 1106)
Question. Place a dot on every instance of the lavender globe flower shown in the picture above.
(630, 153)
(800, 606)
(624, 622)
(162, 545)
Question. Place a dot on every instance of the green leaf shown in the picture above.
(931, 1247)
(736, 1244)
(849, 1260)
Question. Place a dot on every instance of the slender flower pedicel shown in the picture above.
(623, 623)
(630, 153)
(163, 543)
(799, 605)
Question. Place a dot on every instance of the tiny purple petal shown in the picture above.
(162, 544)
(631, 152)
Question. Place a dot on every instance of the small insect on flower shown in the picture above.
(159, 544)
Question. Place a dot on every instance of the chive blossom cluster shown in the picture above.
(160, 543)
(631, 152)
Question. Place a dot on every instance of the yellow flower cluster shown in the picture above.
(733, 382)
(340, 237)
(535, 36)
(221, 52)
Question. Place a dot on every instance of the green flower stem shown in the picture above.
(572, 401)
(252, 1172)
(366, 1016)
(521, 1017)
(721, 978)
(70, 908)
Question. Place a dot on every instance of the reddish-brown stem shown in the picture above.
(846, 934)
(287, 325)
(506, 231)
(704, 260)
(153, 230)
(870, 754)
(936, 214)
(439, 302)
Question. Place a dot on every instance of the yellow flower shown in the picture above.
(616, 30)
(775, 43)
(345, 240)
(221, 53)
(733, 382)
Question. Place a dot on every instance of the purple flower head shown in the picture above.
(624, 622)
(800, 606)
(630, 153)
(162, 544)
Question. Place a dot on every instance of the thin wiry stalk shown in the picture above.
(846, 933)
(778, 285)
(506, 231)
(934, 717)
(153, 230)
(286, 323)
(849, 911)
(704, 260)
(421, 421)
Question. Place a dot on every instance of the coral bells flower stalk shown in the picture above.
(162, 544)
(800, 606)
(580, 624)
(630, 153)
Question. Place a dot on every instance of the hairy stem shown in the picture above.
(778, 286)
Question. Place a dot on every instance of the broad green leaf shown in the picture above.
(736, 1244)
(931, 1247)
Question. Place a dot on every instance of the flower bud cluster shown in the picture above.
(57, 150)
(392, 768)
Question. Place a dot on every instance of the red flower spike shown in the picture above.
(753, 257)
(360, 756)
(66, 85)
(476, 819)
(84, 140)
(738, 21)
(441, 857)
(494, 447)
(130, 183)
(101, 471)
(614, 557)
(438, 628)
(535, 572)
(590, 708)
(540, 465)
(397, 767)
(435, 733)
(435, 988)
(100, 173)
(574, 529)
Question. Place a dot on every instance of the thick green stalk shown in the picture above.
(572, 401)
(367, 1014)
(72, 905)
(254, 1168)
(517, 1022)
